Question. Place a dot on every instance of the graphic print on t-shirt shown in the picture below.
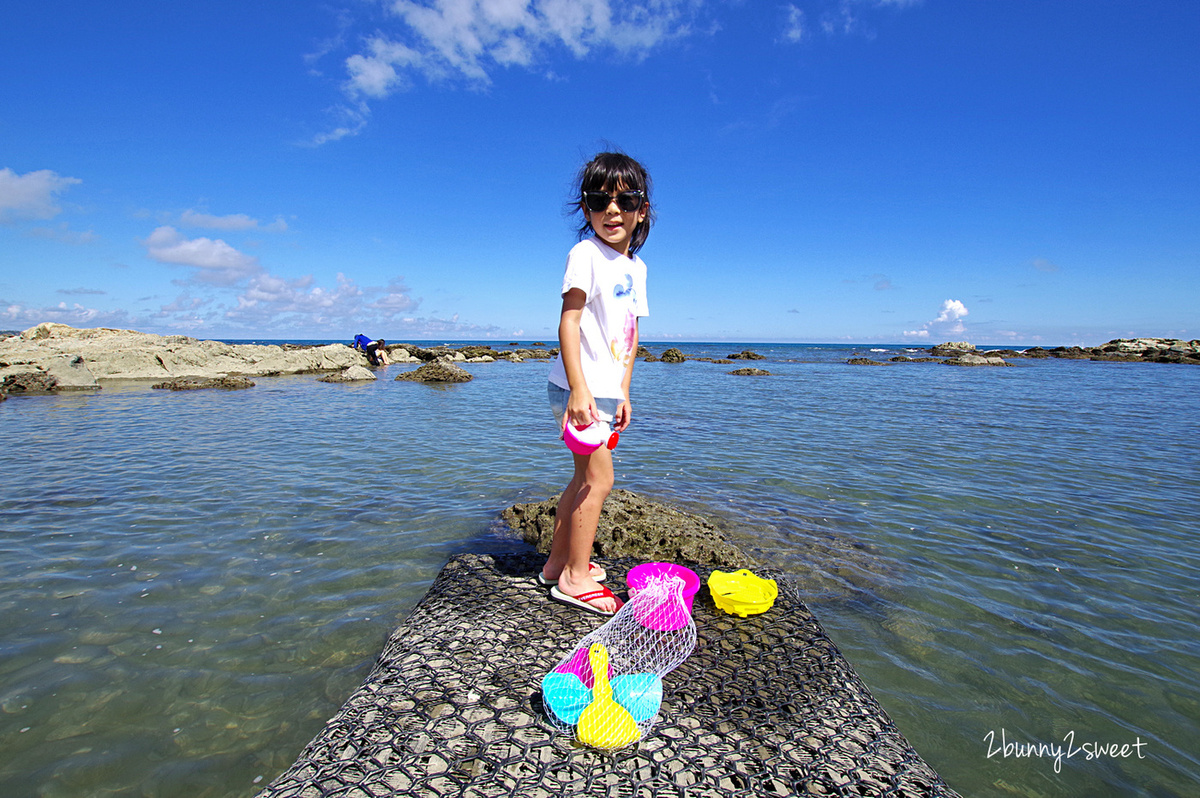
(622, 350)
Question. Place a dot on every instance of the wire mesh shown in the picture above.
(765, 705)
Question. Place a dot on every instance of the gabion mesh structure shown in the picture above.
(764, 706)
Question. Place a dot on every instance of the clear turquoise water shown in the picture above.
(192, 583)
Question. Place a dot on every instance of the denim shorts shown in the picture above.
(558, 405)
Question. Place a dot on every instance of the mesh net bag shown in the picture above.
(608, 688)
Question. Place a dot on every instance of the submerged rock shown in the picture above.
(199, 384)
(746, 354)
(632, 526)
(864, 361)
(976, 360)
(437, 371)
(750, 373)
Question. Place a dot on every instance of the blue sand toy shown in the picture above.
(566, 696)
(640, 693)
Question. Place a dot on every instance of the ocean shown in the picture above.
(191, 583)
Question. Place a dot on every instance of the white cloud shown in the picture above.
(215, 261)
(952, 311)
(32, 195)
(466, 40)
(948, 321)
(794, 24)
(18, 316)
(375, 74)
(233, 221)
(1043, 265)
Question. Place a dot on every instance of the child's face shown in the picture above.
(614, 226)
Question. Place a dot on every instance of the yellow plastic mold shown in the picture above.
(742, 593)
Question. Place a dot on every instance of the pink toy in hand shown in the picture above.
(587, 439)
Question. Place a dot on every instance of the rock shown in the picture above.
(632, 526)
(864, 361)
(1069, 353)
(198, 384)
(751, 373)
(70, 373)
(352, 374)
(399, 354)
(644, 352)
(437, 371)
(746, 354)
(110, 354)
(651, 359)
(27, 382)
(976, 360)
(952, 348)
(672, 355)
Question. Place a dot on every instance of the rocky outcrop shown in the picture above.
(1129, 350)
(85, 358)
(204, 383)
(673, 355)
(352, 374)
(633, 526)
(750, 373)
(746, 354)
(437, 371)
(864, 361)
(952, 349)
(27, 382)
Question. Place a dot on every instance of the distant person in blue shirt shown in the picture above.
(375, 350)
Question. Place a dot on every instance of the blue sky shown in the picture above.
(999, 171)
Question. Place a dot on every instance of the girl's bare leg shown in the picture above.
(575, 525)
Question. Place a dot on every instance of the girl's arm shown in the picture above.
(581, 405)
(625, 411)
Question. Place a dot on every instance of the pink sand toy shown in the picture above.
(665, 616)
(587, 439)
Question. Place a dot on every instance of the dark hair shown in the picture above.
(607, 171)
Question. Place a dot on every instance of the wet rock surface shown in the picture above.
(633, 526)
(750, 372)
(437, 371)
(201, 384)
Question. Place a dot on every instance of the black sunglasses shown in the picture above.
(627, 201)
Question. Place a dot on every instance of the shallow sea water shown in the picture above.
(191, 583)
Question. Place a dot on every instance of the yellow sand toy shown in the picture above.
(742, 593)
(605, 723)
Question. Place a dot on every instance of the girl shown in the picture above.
(603, 295)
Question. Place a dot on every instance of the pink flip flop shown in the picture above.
(594, 571)
(583, 600)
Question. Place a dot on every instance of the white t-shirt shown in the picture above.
(616, 296)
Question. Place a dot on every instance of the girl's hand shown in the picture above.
(581, 408)
(623, 416)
